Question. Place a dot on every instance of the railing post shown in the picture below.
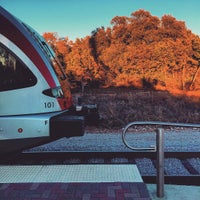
(160, 162)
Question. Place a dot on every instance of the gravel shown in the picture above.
(195, 163)
(146, 166)
(181, 140)
(174, 166)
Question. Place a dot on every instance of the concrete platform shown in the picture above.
(72, 182)
(84, 182)
(175, 192)
(69, 173)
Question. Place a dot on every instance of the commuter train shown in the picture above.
(33, 108)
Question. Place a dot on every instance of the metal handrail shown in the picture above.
(159, 148)
(151, 148)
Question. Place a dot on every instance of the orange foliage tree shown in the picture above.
(141, 51)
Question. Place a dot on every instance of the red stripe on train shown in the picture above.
(11, 32)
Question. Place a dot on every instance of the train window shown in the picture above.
(14, 74)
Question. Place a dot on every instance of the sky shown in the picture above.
(78, 18)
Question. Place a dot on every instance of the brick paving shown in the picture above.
(74, 191)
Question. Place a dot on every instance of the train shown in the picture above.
(33, 107)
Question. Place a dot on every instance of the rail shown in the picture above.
(159, 148)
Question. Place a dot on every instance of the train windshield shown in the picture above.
(14, 74)
(48, 51)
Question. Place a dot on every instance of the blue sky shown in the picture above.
(78, 18)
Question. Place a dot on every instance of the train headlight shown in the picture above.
(54, 92)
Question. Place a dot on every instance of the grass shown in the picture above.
(120, 106)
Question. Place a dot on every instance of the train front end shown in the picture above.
(33, 108)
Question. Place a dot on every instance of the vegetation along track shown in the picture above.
(179, 167)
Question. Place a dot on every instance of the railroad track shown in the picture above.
(182, 168)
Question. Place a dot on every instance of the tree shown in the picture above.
(134, 50)
(172, 28)
(144, 27)
(81, 65)
(196, 56)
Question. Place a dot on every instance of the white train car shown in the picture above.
(33, 109)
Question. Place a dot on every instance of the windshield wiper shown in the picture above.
(63, 77)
